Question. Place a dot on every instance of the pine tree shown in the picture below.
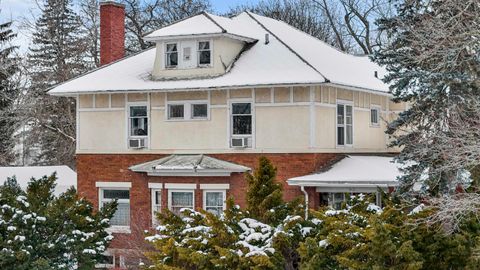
(42, 231)
(433, 65)
(264, 194)
(58, 54)
(8, 94)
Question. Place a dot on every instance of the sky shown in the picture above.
(20, 10)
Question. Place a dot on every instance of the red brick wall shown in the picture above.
(110, 168)
(112, 32)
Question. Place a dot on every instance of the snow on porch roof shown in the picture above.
(353, 170)
(66, 177)
(189, 165)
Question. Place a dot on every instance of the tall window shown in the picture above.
(138, 117)
(171, 55)
(122, 215)
(214, 201)
(344, 124)
(374, 116)
(156, 204)
(179, 199)
(241, 119)
(204, 53)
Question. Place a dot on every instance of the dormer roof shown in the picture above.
(291, 57)
(203, 24)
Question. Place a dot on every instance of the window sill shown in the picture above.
(374, 125)
(119, 229)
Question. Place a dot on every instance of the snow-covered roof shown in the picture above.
(354, 171)
(189, 165)
(202, 24)
(66, 177)
(291, 57)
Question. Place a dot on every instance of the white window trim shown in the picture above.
(198, 53)
(165, 64)
(113, 184)
(187, 110)
(104, 265)
(149, 122)
(230, 121)
(180, 186)
(344, 103)
(224, 194)
(215, 186)
(115, 228)
(378, 108)
(153, 197)
(170, 191)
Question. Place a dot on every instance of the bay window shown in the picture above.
(214, 201)
(121, 217)
(178, 199)
(344, 124)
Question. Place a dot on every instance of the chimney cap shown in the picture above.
(112, 3)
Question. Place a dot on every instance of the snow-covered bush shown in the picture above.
(41, 231)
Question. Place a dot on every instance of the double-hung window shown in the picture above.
(344, 124)
(214, 201)
(171, 55)
(121, 218)
(156, 204)
(241, 118)
(179, 199)
(138, 121)
(204, 53)
(374, 116)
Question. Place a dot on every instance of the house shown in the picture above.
(66, 177)
(179, 124)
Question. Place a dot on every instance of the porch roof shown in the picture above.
(354, 171)
(189, 165)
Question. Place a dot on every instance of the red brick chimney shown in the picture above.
(112, 31)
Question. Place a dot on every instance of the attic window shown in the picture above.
(171, 55)
(204, 53)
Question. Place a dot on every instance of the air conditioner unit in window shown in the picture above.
(240, 142)
(136, 143)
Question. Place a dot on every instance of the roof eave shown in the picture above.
(201, 35)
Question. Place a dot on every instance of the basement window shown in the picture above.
(171, 55)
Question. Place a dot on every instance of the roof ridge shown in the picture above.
(215, 22)
(288, 47)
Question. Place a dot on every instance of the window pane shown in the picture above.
(215, 210)
(199, 110)
(172, 59)
(204, 45)
(116, 194)
(138, 126)
(158, 197)
(122, 215)
(340, 114)
(340, 136)
(214, 199)
(242, 124)
(348, 115)
(241, 108)
(171, 47)
(184, 199)
(349, 135)
(176, 111)
(105, 259)
(138, 111)
(204, 58)
(374, 116)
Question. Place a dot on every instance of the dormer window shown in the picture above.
(171, 55)
(204, 53)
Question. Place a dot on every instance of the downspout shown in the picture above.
(302, 188)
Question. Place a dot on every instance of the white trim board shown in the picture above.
(180, 186)
(113, 184)
(215, 186)
(155, 185)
